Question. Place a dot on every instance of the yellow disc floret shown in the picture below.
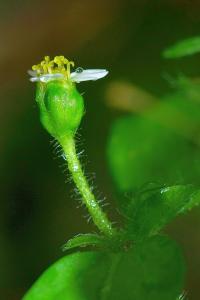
(59, 65)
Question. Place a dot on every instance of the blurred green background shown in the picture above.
(38, 209)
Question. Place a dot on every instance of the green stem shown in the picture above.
(99, 217)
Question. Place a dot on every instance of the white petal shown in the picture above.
(46, 77)
(34, 79)
(32, 73)
(90, 74)
(49, 77)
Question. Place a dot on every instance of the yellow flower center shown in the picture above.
(59, 64)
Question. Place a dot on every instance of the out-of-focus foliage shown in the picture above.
(149, 151)
(182, 297)
(160, 145)
(183, 48)
(152, 270)
(152, 209)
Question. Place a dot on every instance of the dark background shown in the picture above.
(37, 209)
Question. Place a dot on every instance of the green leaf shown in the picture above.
(73, 277)
(160, 145)
(152, 210)
(151, 270)
(83, 240)
(183, 48)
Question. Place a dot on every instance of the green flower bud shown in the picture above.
(61, 107)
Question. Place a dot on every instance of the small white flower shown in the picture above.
(78, 76)
(59, 68)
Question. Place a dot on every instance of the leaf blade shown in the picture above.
(183, 48)
(150, 212)
(66, 278)
(151, 270)
(84, 240)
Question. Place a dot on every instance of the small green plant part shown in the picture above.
(133, 262)
(61, 110)
(183, 48)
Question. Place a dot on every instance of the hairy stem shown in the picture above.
(99, 217)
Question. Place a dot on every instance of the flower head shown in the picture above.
(60, 68)
(60, 103)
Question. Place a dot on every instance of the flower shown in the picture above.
(59, 68)
(60, 103)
